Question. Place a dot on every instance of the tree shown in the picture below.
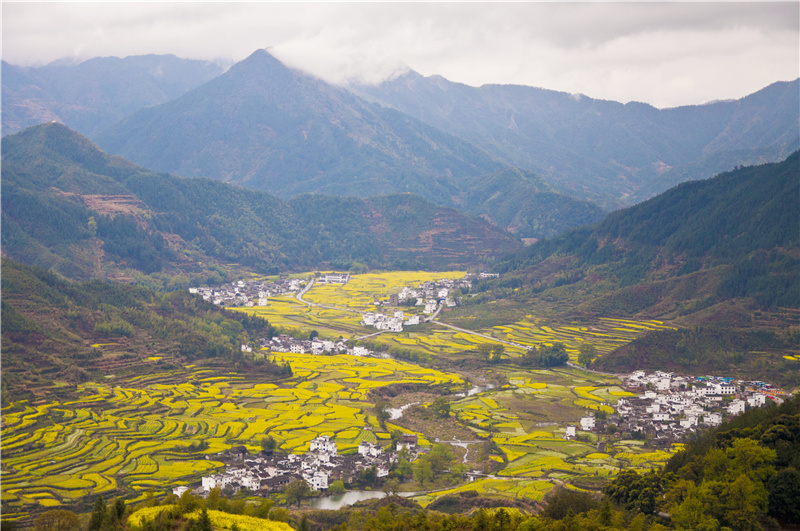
(214, 495)
(268, 443)
(99, 515)
(403, 469)
(497, 352)
(422, 471)
(337, 487)
(485, 351)
(440, 457)
(784, 495)
(441, 407)
(296, 492)
(391, 486)
(586, 353)
(381, 410)
(57, 520)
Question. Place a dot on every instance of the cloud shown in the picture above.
(662, 53)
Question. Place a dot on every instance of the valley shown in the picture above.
(135, 436)
(234, 290)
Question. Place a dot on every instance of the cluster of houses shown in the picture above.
(321, 465)
(248, 293)
(286, 343)
(429, 295)
(393, 323)
(667, 407)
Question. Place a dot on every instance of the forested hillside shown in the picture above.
(70, 207)
(732, 236)
(53, 327)
(270, 128)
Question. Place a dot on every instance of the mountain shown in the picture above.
(522, 203)
(603, 151)
(270, 128)
(93, 95)
(735, 236)
(67, 205)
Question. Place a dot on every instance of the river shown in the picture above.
(334, 503)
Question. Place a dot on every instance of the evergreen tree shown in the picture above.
(99, 515)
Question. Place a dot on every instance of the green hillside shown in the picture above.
(734, 236)
(719, 258)
(70, 207)
(58, 332)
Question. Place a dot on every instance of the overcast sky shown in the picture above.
(665, 54)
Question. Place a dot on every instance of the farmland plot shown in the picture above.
(134, 437)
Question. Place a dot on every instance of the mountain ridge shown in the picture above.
(69, 206)
(594, 149)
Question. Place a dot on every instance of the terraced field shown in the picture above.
(144, 433)
(362, 290)
(527, 419)
(138, 436)
(358, 296)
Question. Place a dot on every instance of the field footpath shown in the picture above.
(464, 330)
(305, 290)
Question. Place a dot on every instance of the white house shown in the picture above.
(368, 449)
(736, 407)
(251, 482)
(178, 491)
(210, 482)
(413, 320)
(323, 443)
(570, 432)
(360, 351)
(263, 301)
(587, 423)
(756, 400)
(660, 417)
(726, 389)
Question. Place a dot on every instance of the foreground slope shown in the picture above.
(69, 206)
(605, 151)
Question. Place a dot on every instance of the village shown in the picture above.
(432, 296)
(319, 467)
(668, 407)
